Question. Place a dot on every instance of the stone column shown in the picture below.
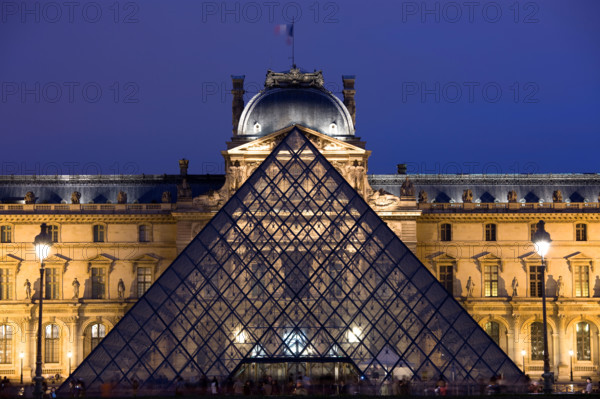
(562, 350)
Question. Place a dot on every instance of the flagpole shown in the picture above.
(293, 44)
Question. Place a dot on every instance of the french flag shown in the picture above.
(287, 30)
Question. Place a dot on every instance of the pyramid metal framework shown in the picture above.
(295, 266)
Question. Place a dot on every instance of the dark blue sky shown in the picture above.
(488, 86)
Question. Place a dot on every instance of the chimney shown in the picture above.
(349, 93)
(401, 168)
(183, 166)
(237, 105)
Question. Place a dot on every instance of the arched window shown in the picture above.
(145, 233)
(6, 344)
(99, 233)
(581, 232)
(537, 341)
(493, 330)
(490, 232)
(446, 232)
(584, 350)
(93, 335)
(5, 234)
(51, 344)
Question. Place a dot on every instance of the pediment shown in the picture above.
(530, 257)
(10, 260)
(440, 257)
(57, 258)
(579, 258)
(145, 258)
(487, 257)
(326, 144)
(102, 258)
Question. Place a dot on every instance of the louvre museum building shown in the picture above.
(299, 265)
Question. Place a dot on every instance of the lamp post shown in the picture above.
(571, 354)
(541, 241)
(22, 355)
(42, 243)
(69, 355)
(523, 353)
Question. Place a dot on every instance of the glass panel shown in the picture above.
(535, 281)
(6, 283)
(52, 275)
(6, 344)
(584, 351)
(537, 341)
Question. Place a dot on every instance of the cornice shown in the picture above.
(508, 217)
(85, 218)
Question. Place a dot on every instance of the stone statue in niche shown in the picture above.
(557, 196)
(236, 173)
(30, 197)
(75, 197)
(470, 287)
(121, 289)
(27, 286)
(121, 198)
(75, 288)
(467, 196)
(423, 197)
(560, 287)
(407, 189)
(355, 175)
(512, 196)
(166, 197)
(515, 287)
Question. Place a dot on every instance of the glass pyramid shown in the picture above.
(295, 267)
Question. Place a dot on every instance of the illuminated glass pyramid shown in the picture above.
(295, 266)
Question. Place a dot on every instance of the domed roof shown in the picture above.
(295, 98)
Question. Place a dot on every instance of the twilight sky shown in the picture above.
(507, 86)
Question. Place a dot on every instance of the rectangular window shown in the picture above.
(99, 231)
(537, 341)
(51, 341)
(5, 234)
(535, 281)
(490, 281)
(584, 351)
(6, 344)
(145, 233)
(6, 284)
(490, 232)
(144, 280)
(98, 283)
(582, 281)
(53, 231)
(52, 283)
(446, 232)
(447, 278)
(581, 232)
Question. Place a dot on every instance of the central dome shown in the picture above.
(302, 101)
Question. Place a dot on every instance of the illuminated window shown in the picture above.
(537, 341)
(99, 233)
(295, 343)
(93, 335)
(144, 280)
(446, 232)
(582, 281)
(52, 283)
(145, 233)
(493, 330)
(6, 283)
(98, 282)
(6, 344)
(581, 232)
(490, 281)
(447, 278)
(5, 234)
(53, 231)
(51, 344)
(535, 281)
(532, 230)
(490, 232)
(584, 351)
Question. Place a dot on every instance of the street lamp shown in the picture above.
(571, 354)
(523, 353)
(541, 241)
(69, 355)
(22, 355)
(42, 243)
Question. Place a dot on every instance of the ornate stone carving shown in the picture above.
(557, 196)
(355, 174)
(183, 166)
(470, 287)
(381, 199)
(423, 197)
(184, 190)
(294, 78)
(407, 189)
(75, 197)
(211, 200)
(560, 287)
(236, 175)
(166, 197)
(512, 196)
(27, 286)
(121, 289)
(515, 287)
(30, 197)
(121, 198)
(467, 196)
